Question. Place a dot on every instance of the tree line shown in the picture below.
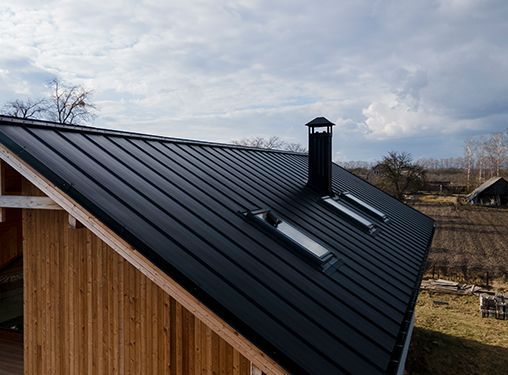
(270, 143)
(484, 157)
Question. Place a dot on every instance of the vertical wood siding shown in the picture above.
(88, 311)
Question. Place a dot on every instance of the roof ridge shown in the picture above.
(96, 130)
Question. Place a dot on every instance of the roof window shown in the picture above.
(359, 203)
(301, 239)
(302, 244)
(348, 212)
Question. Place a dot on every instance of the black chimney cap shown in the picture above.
(319, 122)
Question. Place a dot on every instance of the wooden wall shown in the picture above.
(87, 311)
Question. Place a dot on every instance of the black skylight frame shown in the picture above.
(328, 262)
(356, 218)
(364, 206)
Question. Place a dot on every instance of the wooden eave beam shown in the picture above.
(258, 358)
(21, 201)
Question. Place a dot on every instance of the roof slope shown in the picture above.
(179, 203)
(486, 185)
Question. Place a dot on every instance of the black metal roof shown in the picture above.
(180, 203)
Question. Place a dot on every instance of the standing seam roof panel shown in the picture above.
(180, 204)
(187, 240)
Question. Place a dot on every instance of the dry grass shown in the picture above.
(437, 199)
(455, 339)
(469, 241)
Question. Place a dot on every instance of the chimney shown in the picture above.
(320, 155)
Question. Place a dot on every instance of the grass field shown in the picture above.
(454, 339)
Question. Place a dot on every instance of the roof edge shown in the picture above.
(397, 354)
(17, 121)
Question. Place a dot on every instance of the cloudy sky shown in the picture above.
(416, 76)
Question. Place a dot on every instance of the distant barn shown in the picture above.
(493, 192)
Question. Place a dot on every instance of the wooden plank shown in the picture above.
(137, 260)
(18, 201)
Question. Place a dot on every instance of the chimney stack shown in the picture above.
(320, 155)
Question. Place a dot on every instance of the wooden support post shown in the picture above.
(74, 223)
(3, 212)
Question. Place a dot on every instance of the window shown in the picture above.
(312, 247)
(365, 206)
(345, 210)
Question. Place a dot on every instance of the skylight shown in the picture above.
(292, 233)
(359, 219)
(365, 205)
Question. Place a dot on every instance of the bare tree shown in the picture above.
(295, 147)
(26, 108)
(70, 104)
(468, 159)
(66, 104)
(399, 174)
(258, 142)
(495, 150)
(272, 143)
(479, 148)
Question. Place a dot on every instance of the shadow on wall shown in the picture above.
(437, 353)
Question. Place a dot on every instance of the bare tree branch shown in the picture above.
(26, 108)
(295, 147)
(495, 149)
(70, 104)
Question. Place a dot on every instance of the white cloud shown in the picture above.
(391, 118)
(227, 69)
